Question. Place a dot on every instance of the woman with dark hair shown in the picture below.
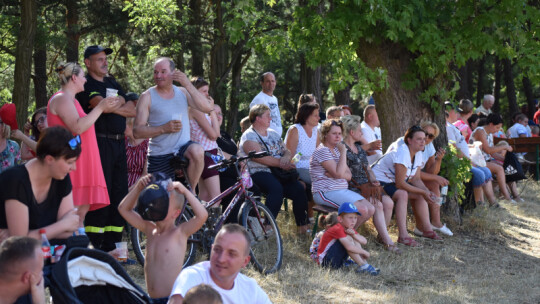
(473, 122)
(260, 137)
(484, 134)
(38, 123)
(465, 110)
(204, 129)
(89, 188)
(38, 194)
(398, 171)
(302, 138)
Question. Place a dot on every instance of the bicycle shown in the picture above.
(266, 248)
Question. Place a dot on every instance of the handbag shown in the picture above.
(284, 176)
(368, 190)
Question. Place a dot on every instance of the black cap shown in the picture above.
(131, 96)
(94, 49)
(153, 204)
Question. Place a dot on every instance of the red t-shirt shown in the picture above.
(536, 117)
(330, 236)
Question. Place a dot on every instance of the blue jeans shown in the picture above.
(480, 176)
(275, 191)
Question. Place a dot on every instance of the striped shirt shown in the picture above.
(321, 182)
(135, 156)
(198, 135)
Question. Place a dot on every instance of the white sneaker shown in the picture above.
(444, 230)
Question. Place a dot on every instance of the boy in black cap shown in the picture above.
(341, 241)
(155, 215)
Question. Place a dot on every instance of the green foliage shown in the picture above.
(457, 171)
(153, 15)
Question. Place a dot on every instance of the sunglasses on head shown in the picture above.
(74, 142)
(338, 123)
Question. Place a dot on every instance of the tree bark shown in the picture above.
(310, 80)
(178, 57)
(23, 59)
(343, 97)
(40, 75)
(527, 88)
(510, 87)
(194, 43)
(463, 74)
(497, 86)
(218, 57)
(232, 116)
(72, 31)
(480, 91)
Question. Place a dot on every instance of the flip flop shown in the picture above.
(408, 241)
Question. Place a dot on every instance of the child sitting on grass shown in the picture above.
(157, 210)
(324, 222)
(202, 294)
(341, 241)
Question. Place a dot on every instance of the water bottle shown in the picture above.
(444, 192)
(45, 245)
(246, 179)
(296, 158)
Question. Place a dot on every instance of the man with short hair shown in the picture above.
(162, 116)
(266, 97)
(21, 271)
(372, 133)
(487, 104)
(230, 253)
(104, 226)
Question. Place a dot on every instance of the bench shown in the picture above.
(320, 209)
(524, 144)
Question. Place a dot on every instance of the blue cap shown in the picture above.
(348, 208)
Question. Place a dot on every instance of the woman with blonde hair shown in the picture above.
(10, 152)
(89, 188)
(362, 175)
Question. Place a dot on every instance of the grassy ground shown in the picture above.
(493, 257)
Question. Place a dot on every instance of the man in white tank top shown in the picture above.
(162, 117)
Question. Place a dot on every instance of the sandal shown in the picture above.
(432, 235)
(408, 241)
(392, 248)
(368, 270)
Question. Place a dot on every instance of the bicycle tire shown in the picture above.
(138, 241)
(266, 250)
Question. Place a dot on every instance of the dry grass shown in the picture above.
(494, 257)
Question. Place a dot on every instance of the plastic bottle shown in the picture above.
(444, 192)
(296, 158)
(45, 245)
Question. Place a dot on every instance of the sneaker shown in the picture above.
(349, 262)
(444, 230)
(368, 270)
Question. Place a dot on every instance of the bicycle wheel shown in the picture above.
(138, 240)
(266, 247)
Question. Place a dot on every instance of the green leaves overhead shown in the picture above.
(153, 15)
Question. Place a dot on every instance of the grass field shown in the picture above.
(493, 257)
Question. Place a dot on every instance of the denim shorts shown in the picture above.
(389, 188)
(480, 176)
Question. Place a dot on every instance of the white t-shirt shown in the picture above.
(429, 150)
(385, 170)
(518, 129)
(371, 135)
(455, 135)
(272, 103)
(245, 289)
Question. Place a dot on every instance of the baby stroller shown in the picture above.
(92, 276)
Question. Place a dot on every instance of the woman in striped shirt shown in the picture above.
(330, 173)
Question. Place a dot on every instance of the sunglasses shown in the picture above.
(74, 142)
(338, 123)
(42, 119)
(430, 136)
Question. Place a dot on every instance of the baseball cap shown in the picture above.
(94, 49)
(348, 208)
(131, 96)
(153, 204)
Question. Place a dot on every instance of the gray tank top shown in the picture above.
(162, 111)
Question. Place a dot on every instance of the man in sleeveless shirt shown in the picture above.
(104, 226)
(162, 116)
(266, 97)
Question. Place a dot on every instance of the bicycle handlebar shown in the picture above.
(235, 159)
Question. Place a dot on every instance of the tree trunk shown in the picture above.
(40, 75)
(232, 116)
(510, 87)
(497, 86)
(480, 91)
(397, 107)
(343, 97)
(218, 57)
(527, 88)
(23, 59)
(194, 43)
(463, 74)
(178, 57)
(310, 80)
(72, 31)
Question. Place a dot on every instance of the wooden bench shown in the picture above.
(320, 209)
(524, 144)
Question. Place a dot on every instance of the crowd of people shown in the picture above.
(88, 162)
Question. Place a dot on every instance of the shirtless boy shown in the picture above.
(166, 242)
